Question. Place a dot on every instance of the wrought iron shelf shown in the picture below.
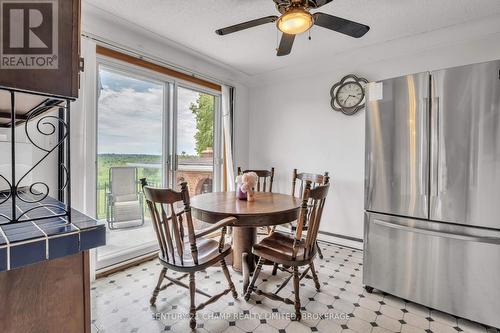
(38, 115)
(35, 225)
(27, 106)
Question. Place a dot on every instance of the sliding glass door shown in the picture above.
(149, 127)
(130, 147)
(195, 143)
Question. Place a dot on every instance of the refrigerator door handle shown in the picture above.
(436, 148)
(438, 129)
(426, 115)
(369, 182)
(437, 233)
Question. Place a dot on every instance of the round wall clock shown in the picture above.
(348, 95)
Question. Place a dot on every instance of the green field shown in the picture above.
(106, 161)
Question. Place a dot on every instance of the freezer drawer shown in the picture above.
(397, 147)
(446, 267)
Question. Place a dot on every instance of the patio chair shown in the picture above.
(124, 202)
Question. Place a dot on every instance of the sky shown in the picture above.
(130, 116)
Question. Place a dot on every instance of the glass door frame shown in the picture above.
(218, 156)
(150, 76)
(143, 74)
(169, 134)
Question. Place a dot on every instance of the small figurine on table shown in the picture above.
(246, 185)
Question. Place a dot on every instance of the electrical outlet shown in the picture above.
(3, 137)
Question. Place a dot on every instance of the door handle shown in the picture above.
(438, 129)
(173, 162)
(368, 181)
(424, 187)
(436, 144)
(437, 233)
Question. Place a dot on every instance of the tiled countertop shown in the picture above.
(29, 242)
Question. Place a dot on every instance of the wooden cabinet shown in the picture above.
(51, 296)
(40, 50)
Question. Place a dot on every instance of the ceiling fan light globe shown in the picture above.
(295, 21)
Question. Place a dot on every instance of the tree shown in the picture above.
(203, 109)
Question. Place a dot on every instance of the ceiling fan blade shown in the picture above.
(286, 44)
(318, 3)
(246, 25)
(341, 25)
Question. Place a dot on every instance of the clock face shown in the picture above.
(350, 95)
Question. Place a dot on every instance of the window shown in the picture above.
(149, 126)
(195, 139)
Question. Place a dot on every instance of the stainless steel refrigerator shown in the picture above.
(432, 190)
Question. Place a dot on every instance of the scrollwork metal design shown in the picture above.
(39, 123)
(51, 130)
(66, 176)
(35, 192)
(48, 130)
(7, 194)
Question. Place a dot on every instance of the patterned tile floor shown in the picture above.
(120, 303)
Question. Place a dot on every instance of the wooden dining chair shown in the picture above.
(298, 191)
(265, 177)
(302, 177)
(186, 252)
(299, 180)
(298, 185)
(293, 251)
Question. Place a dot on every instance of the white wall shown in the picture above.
(293, 126)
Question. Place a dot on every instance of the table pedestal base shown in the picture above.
(243, 259)
(268, 209)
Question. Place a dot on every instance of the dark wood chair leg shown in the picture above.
(296, 281)
(192, 309)
(275, 269)
(228, 278)
(245, 271)
(256, 273)
(156, 291)
(315, 276)
(320, 254)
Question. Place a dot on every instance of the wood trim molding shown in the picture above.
(126, 264)
(101, 50)
(354, 239)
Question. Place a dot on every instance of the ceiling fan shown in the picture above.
(296, 18)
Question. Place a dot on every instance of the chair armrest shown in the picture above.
(229, 221)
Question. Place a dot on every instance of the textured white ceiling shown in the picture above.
(192, 24)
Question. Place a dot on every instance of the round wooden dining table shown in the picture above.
(268, 209)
